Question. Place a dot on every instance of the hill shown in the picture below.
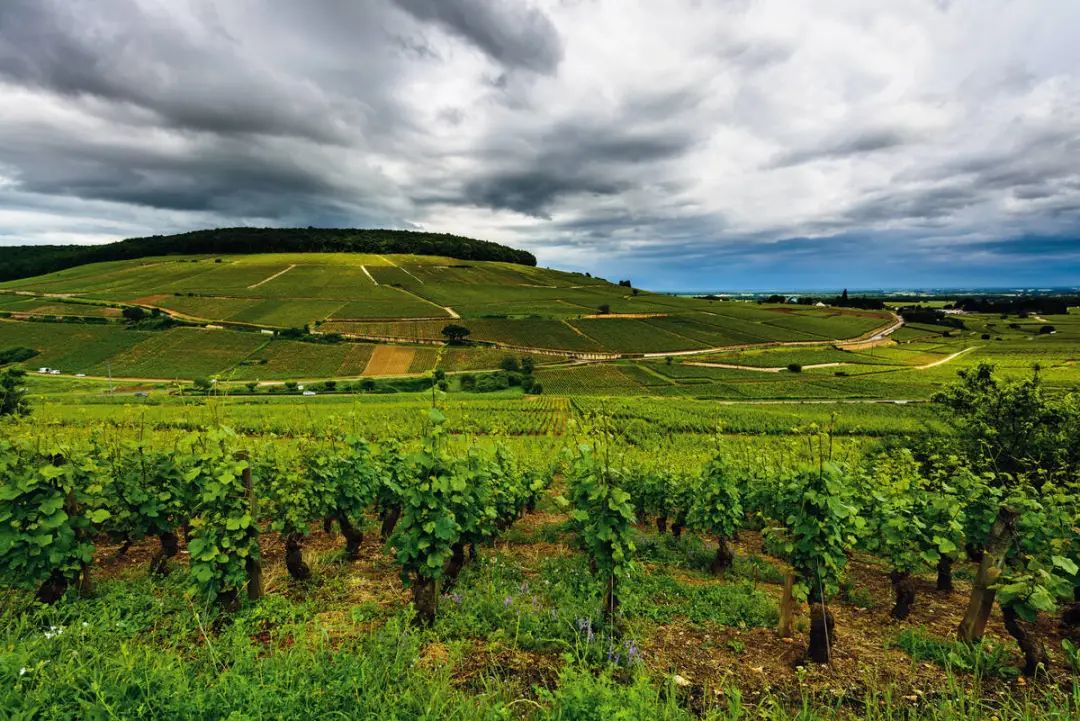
(30, 260)
(319, 315)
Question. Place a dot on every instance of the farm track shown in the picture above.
(946, 359)
(273, 277)
(761, 369)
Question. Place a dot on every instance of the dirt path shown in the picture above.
(865, 337)
(402, 269)
(275, 275)
(946, 359)
(760, 369)
(368, 274)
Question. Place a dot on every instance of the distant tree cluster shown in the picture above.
(844, 301)
(30, 260)
(1018, 305)
(840, 301)
(17, 354)
(512, 374)
(932, 316)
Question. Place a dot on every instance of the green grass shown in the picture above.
(984, 659)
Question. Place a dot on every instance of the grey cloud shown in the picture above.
(586, 157)
(510, 32)
(852, 142)
(198, 80)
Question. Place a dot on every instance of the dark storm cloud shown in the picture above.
(194, 78)
(530, 175)
(510, 32)
(923, 204)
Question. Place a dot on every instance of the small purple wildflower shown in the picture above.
(456, 598)
(507, 601)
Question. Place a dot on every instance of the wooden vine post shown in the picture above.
(787, 607)
(254, 564)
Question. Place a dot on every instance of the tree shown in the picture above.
(134, 314)
(509, 364)
(202, 385)
(604, 309)
(251, 386)
(12, 393)
(1027, 445)
(455, 333)
(843, 296)
(528, 364)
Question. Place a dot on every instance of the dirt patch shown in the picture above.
(389, 360)
(151, 299)
(760, 663)
(525, 670)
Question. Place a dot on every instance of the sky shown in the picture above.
(684, 144)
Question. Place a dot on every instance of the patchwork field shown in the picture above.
(499, 302)
(387, 360)
(392, 310)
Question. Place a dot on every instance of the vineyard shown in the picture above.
(532, 558)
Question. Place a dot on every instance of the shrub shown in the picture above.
(12, 393)
(16, 355)
(134, 314)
